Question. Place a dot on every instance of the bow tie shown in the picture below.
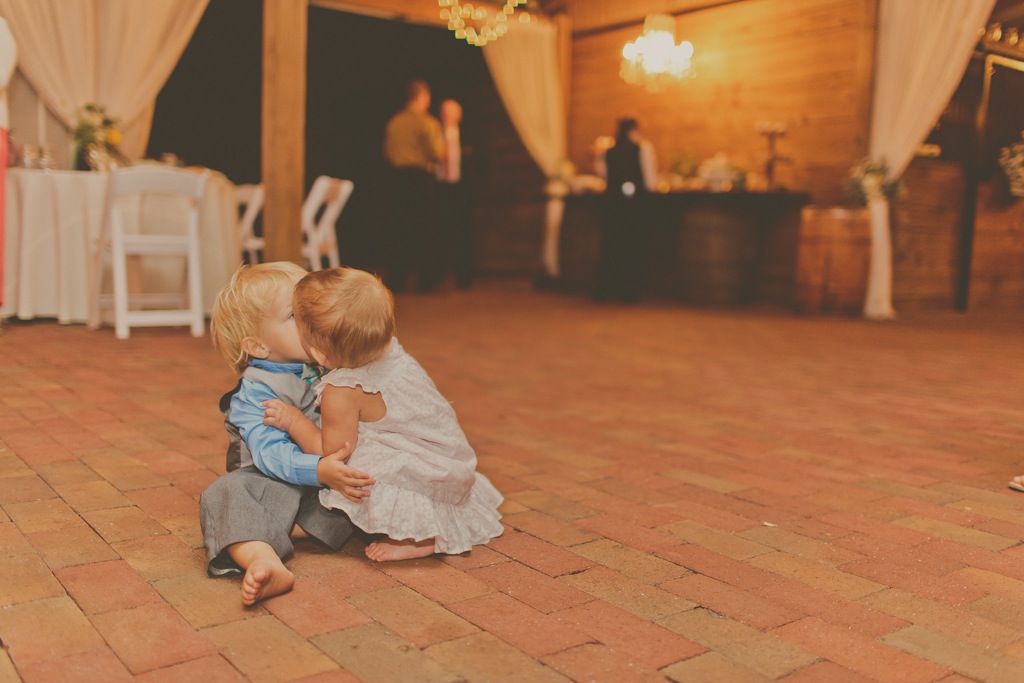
(311, 374)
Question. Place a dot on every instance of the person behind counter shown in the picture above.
(629, 168)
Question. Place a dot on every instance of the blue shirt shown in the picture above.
(273, 451)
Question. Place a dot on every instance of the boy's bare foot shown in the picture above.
(1017, 483)
(265, 579)
(387, 550)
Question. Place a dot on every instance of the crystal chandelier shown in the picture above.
(654, 60)
(482, 23)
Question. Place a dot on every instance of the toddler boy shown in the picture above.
(271, 487)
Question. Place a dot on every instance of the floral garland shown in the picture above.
(869, 181)
(1011, 159)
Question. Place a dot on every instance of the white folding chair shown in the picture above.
(320, 212)
(250, 202)
(129, 190)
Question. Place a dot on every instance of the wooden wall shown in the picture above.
(835, 244)
(807, 63)
(926, 235)
(997, 269)
(927, 246)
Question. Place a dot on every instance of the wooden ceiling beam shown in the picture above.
(413, 11)
(407, 11)
(599, 16)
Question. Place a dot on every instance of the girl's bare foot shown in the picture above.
(388, 549)
(1017, 483)
(265, 579)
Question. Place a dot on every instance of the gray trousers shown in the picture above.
(247, 505)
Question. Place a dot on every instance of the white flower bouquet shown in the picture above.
(97, 139)
(869, 180)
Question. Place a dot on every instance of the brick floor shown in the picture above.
(691, 495)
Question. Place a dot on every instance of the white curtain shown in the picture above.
(524, 66)
(115, 53)
(526, 71)
(923, 50)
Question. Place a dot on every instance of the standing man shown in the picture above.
(456, 239)
(413, 149)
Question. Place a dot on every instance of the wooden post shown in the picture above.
(283, 126)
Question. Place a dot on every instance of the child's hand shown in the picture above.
(277, 413)
(344, 452)
(335, 474)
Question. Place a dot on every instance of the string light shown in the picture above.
(481, 24)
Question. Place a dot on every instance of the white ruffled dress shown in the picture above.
(427, 483)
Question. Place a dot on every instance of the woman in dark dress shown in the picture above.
(629, 170)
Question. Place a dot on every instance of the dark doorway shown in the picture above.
(358, 69)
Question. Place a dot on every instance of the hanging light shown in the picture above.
(482, 23)
(654, 60)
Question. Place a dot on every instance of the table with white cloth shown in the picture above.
(53, 224)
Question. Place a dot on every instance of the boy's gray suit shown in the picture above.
(247, 505)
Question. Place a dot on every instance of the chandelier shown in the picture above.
(482, 23)
(654, 60)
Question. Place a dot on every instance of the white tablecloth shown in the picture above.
(54, 220)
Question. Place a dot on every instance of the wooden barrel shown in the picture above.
(832, 259)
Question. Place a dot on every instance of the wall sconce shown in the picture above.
(654, 60)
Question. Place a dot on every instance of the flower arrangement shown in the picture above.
(720, 174)
(869, 180)
(1011, 159)
(97, 138)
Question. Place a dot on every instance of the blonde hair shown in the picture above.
(346, 314)
(241, 307)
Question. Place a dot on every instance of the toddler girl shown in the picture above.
(378, 401)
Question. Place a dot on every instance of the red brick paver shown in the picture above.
(691, 495)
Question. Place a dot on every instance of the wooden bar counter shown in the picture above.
(699, 247)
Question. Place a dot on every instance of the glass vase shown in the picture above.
(99, 158)
(80, 158)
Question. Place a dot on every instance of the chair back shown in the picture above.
(324, 203)
(167, 186)
(129, 190)
(166, 180)
(249, 199)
